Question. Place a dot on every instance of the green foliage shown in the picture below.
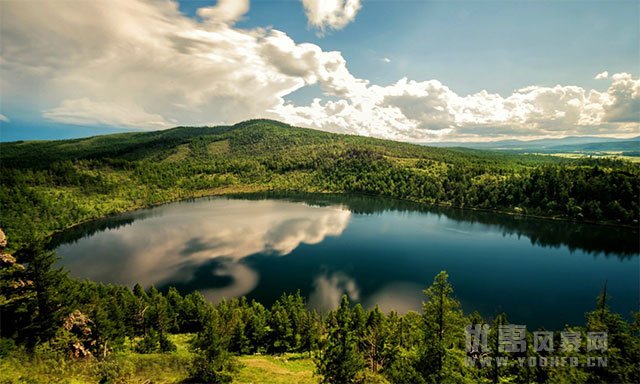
(339, 360)
(352, 344)
(402, 369)
(443, 333)
(35, 305)
(114, 372)
(50, 185)
(154, 342)
(53, 324)
(6, 346)
(212, 363)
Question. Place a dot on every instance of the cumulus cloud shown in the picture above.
(162, 64)
(602, 75)
(429, 110)
(623, 97)
(331, 14)
(4, 118)
(144, 64)
(225, 11)
(386, 60)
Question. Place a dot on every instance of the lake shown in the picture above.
(377, 251)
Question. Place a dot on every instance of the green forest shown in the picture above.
(47, 186)
(58, 329)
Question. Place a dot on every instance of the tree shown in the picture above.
(213, 363)
(443, 332)
(310, 331)
(256, 328)
(623, 344)
(46, 309)
(281, 329)
(340, 361)
(374, 339)
(16, 291)
(174, 301)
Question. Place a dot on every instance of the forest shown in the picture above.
(55, 328)
(48, 186)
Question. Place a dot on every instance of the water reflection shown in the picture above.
(329, 288)
(576, 236)
(198, 244)
(397, 296)
(377, 251)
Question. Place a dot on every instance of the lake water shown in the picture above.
(377, 251)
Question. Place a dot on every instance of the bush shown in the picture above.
(114, 372)
(217, 371)
(6, 346)
(154, 342)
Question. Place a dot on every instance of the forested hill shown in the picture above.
(50, 185)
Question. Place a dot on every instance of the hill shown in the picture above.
(47, 186)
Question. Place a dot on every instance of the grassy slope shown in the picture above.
(248, 139)
(156, 368)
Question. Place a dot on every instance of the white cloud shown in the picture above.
(602, 75)
(86, 112)
(331, 14)
(155, 60)
(144, 64)
(386, 59)
(225, 11)
(4, 118)
(623, 97)
(429, 110)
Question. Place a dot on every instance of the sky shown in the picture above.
(418, 71)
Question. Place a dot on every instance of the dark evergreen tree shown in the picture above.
(213, 363)
(441, 357)
(46, 308)
(339, 361)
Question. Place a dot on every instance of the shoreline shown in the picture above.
(249, 191)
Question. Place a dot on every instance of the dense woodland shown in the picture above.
(53, 319)
(48, 186)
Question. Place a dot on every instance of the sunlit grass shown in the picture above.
(161, 368)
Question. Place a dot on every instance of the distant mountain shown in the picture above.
(612, 146)
(565, 144)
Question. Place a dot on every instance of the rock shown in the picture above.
(3, 240)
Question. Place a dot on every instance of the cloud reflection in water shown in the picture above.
(174, 244)
(329, 288)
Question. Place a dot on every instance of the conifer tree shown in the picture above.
(443, 331)
(340, 361)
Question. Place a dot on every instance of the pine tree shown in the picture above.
(281, 327)
(374, 339)
(340, 361)
(310, 332)
(48, 286)
(443, 332)
(623, 344)
(256, 328)
(213, 363)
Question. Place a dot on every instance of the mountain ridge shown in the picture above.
(514, 144)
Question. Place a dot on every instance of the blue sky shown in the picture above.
(473, 45)
(449, 52)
